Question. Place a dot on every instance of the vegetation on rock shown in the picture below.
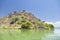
(23, 20)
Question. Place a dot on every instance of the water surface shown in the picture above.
(25, 34)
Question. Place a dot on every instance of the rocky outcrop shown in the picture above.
(21, 20)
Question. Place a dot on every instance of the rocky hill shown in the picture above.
(24, 20)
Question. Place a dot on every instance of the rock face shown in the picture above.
(21, 20)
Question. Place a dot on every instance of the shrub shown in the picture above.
(19, 26)
(14, 19)
(26, 24)
(5, 26)
(39, 23)
(49, 26)
(23, 17)
(18, 22)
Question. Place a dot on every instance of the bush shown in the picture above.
(26, 25)
(40, 23)
(23, 17)
(49, 26)
(5, 26)
(19, 26)
(18, 22)
(14, 19)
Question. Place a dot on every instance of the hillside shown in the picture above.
(25, 20)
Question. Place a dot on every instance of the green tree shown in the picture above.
(26, 24)
(49, 26)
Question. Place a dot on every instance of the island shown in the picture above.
(23, 20)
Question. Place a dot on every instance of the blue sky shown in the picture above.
(47, 10)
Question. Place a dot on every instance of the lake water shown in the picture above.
(54, 36)
(29, 34)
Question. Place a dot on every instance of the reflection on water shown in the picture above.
(36, 34)
(54, 36)
(25, 34)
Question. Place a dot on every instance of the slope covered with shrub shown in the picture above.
(25, 20)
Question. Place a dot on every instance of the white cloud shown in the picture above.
(56, 24)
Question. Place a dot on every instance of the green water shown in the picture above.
(25, 34)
